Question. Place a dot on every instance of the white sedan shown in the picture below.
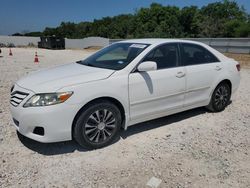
(123, 84)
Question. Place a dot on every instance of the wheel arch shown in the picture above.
(226, 80)
(110, 99)
(210, 106)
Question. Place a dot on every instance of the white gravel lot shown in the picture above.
(189, 149)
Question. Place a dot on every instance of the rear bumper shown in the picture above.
(235, 85)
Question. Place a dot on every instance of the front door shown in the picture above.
(153, 93)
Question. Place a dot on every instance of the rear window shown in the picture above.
(193, 54)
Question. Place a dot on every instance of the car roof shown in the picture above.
(158, 41)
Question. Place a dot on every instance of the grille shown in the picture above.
(17, 97)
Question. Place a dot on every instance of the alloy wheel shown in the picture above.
(100, 126)
(221, 97)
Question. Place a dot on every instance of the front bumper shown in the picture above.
(56, 120)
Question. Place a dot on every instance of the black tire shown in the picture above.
(220, 98)
(97, 117)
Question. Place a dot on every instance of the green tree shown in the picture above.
(219, 19)
(216, 15)
(243, 30)
(158, 21)
(34, 34)
(190, 19)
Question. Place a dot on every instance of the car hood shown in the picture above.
(50, 80)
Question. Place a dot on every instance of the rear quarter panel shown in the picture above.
(229, 72)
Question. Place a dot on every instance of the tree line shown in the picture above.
(220, 19)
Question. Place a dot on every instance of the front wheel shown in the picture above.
(98, 125)
(220, 98)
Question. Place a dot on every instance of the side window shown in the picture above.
(166, 56)
(194, 54)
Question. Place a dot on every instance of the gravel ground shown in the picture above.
(189, 149)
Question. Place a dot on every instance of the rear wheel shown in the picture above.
(98, 125)
(220, 98)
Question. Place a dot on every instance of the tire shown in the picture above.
(220, 98)
(98, 125)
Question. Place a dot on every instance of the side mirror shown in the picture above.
(147, 66)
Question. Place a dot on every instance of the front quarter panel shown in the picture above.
(115, 87)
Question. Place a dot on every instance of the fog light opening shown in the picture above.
(39, 131)
(16, 122)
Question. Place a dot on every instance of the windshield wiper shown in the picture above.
(87, 64)
(91, 65)
(79, 62)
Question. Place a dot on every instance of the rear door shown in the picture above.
(202, 69)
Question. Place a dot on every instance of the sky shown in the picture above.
(35, 15)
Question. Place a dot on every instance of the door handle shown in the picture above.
(218, 68)
(180, 74)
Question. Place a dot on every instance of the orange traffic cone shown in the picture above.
(36, 58)
(10, 53)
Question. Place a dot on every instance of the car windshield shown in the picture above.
(116, 56)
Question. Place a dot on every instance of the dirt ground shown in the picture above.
(244, 59)
(190, 149)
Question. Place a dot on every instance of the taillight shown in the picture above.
(238, 67)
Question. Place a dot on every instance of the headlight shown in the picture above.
(46, 99)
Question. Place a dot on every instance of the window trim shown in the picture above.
(178, 64)
(200, 46)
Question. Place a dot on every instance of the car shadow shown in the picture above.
(71, 146)
(164, 121)
(56, 148)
